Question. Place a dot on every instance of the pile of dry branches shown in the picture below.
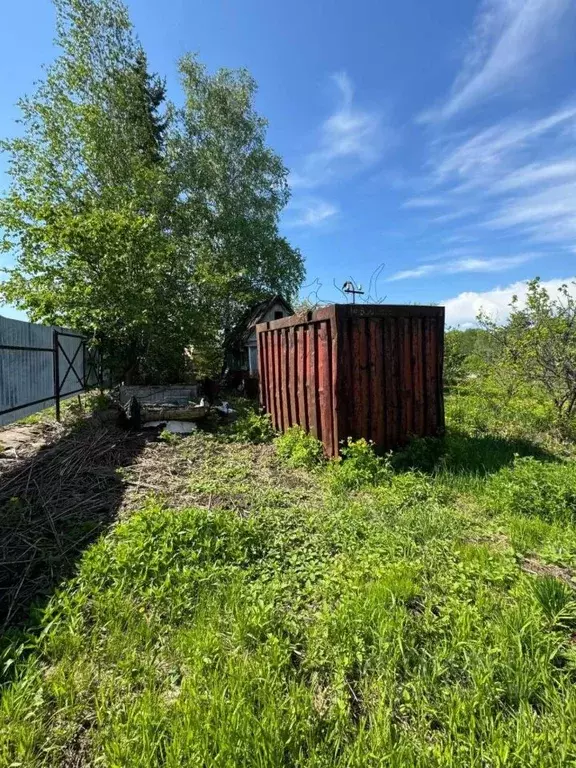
(52, 505)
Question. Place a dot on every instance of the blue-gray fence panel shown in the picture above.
(27, 367)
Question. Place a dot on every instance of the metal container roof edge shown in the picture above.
(352, 310)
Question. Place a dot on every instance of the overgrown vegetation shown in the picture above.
(284, 610)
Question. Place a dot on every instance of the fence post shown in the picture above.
(84, 374)
(56, 367)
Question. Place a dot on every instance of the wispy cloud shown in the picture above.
(470, 264)
(457, 212)
(486, 153)
(516, 177)
(536, 174)
(350, 138)
(509, 36)
(311, 212)
(546, 208)
(407, 274)
(424, 202)
(464, 308)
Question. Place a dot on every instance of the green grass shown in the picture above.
(385, 619)
(71, 408)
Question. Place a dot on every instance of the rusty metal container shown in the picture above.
(372, 371)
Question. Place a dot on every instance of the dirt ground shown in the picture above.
(21, 440)
(62, 486)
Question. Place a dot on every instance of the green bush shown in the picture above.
(359, 466)
(253, 427)
(531, 487)
(299, 448)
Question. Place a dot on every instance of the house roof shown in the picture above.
(255, 315)
(258, 312)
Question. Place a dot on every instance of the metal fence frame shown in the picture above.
(91, 365)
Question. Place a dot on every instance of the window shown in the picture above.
(278, 314)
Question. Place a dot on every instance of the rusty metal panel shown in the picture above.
(372, 371)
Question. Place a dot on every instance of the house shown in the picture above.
(242, 353)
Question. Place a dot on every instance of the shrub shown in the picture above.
(359, 466)
(253, 427)
(299, 448)
(532, 487)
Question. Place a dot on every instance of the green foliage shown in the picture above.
(300, 635)
(416, 609)
(358, 466)
(556, 600)
(299, 448)
(537, 345)
(496, 402)
(253, 427)
(532, 487)
(421, 454)
(146, 226)
(454, 360)
(168, 437)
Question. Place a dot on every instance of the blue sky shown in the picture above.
(429, 143)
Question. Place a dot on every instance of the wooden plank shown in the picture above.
(354, 394)
(278, 388)
(293, 361)
(272, 368)
(361, 379)
(393, 384)
(266, 337)
(337, 405)
(262, 373)
(418, 377)
(377, 385)
(345, 373)
(355, 402)
(325, 386)
(302, 378)
(285, 393)
(431, 374)
(405, 346)
(312, 379)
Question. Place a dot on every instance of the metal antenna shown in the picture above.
(350, 288)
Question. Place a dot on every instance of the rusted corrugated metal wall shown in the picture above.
(372, 371)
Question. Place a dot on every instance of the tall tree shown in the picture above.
(89, 204)
(232, 190)
(150, 228)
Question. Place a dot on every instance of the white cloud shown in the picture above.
(509, 37)
(407, 274)
(468, 264)
(459, 238)
(536, 173)
(457, 213)
(464, 308)
(516, 177)
(312, 212)
(424, 202)
(543, 208)
(350, 138)
(483, 154)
